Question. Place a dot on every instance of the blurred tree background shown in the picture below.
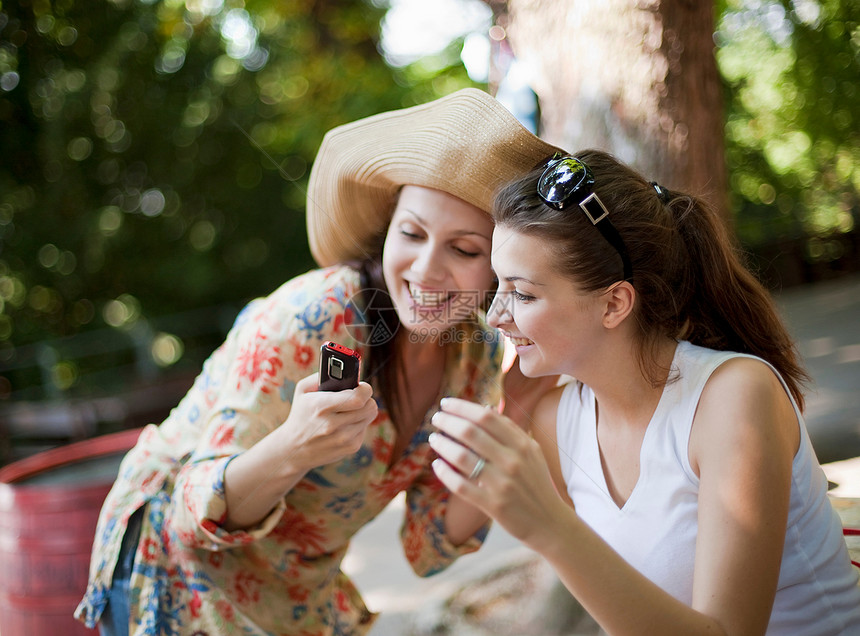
(154, 160)
(792, 74)
(154, 156)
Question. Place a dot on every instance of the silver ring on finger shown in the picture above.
(476, 471)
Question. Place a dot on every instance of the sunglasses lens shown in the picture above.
(561, 179)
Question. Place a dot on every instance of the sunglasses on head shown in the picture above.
(568, 181)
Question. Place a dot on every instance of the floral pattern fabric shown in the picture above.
(190, 575)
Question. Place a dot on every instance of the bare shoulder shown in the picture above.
(742, 384)
(743, 405)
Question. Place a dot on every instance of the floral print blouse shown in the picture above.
(190, 575)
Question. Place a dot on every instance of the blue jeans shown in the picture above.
(114, 620)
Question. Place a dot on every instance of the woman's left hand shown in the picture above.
(513, 486)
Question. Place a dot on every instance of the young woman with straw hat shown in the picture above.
(233, 515)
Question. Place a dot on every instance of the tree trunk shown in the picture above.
(637, 78)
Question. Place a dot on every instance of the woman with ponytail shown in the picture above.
(672, 484)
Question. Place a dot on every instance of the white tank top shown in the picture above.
(655, 530)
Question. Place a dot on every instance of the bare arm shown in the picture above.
(743, 451)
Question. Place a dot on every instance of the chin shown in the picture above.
(426, 329)
(527, 369)
(536, 370)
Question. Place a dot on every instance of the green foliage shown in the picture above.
(138, 158)
(793, 129)
(147, 153)
(155, 156)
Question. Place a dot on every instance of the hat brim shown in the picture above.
(466, 144)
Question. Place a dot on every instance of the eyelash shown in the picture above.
(461, 252)
(520, 297)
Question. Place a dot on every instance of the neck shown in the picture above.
(624, 393)
(420, 369)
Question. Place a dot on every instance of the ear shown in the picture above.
(619, 301)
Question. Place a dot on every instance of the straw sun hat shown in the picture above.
(466, 144)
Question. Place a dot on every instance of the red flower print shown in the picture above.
(247, 587)
(295, 528)
(381, 449)
(298, 593)
(303, 356)
(195, 604)
(223, 436)
(413, 542)
(258, 360)
(410, 466)
(186, 537)
(150, 550)
(216, 559)
(393, 483)
(225, 610)
(342, 601)
(346, 318)
(209, 526)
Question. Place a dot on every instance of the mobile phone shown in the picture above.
(339, 367)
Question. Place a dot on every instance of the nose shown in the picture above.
(428, 263)
(499, 312)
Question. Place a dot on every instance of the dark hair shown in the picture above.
(381, 368)
(689, 277)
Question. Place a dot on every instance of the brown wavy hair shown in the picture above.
(690, 279)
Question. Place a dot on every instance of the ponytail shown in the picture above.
(729, 308)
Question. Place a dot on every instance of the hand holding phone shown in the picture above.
(339, 367)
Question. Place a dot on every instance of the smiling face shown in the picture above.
(554, 326)
(436, 259)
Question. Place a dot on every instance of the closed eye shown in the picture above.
(520, 297)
